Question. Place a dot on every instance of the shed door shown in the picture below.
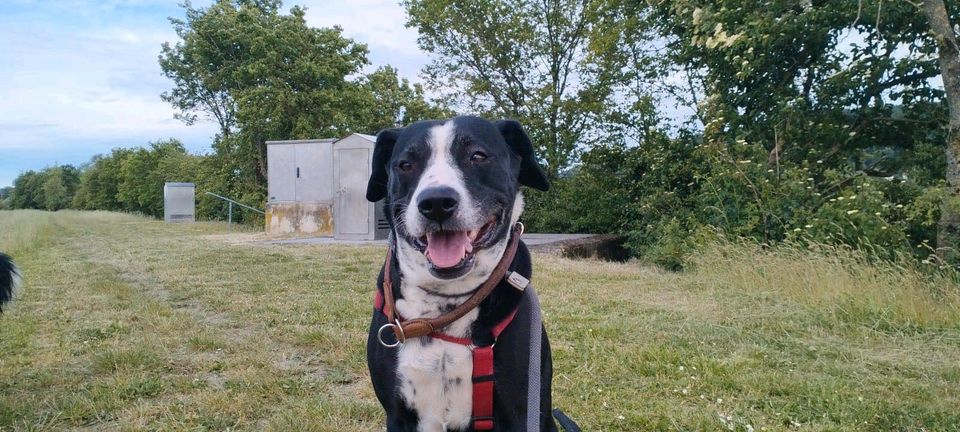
(353, 211)
(281, 173)
(313, 178)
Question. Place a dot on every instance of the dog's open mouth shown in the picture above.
(450, 250)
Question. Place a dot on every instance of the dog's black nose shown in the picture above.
(438, 203)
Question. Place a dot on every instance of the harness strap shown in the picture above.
(483, 382)
(484, 379)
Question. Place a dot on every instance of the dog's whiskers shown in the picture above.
(398, 219)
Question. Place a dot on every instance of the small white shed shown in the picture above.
(178, 202)
(318, 187)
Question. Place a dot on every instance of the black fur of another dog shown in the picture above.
(9, 280)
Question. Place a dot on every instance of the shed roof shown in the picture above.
(371, 138)
(304, 141)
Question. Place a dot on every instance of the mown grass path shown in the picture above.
(132, 324)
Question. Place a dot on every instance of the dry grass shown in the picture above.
(839, 282)
(22, 230)
(130, 324)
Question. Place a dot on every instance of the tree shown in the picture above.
(100, 182)
(28, 191)
(265, 75)
(140, 174)
(831, 74)
(243, 63)
(204, 66)
(144, 172)
(528, 60)
(948, 238)
(819, 93)
(394, 102)
(301, 89)
(4, 195)
(59, 187)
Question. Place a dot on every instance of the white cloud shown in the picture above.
(86, 81)
(377, 23)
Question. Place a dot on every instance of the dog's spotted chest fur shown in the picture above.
(435, 380)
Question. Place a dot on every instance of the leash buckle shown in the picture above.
(517, 281)
(397, 332)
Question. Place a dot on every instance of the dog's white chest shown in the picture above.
(435, 381)
(435, 376)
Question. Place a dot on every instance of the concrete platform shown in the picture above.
(323, 240)
(534, 239)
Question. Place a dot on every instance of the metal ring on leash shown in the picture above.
(520, 224)
(400, 339)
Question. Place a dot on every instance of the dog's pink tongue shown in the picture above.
(446, 249)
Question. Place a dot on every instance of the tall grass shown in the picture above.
(841, 284)
(21, 230)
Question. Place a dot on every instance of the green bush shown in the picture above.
(674, 195)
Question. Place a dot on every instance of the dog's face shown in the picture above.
(452, 189)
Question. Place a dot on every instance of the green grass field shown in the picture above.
(132, 324)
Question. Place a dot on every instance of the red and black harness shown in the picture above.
(483, 372)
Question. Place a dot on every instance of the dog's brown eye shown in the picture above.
(404, 166)
(478, 156)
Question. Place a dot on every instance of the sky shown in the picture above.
(80, 77)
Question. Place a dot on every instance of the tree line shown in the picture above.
(128, 180)
(673, 122)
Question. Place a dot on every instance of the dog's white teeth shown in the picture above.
(472, 235)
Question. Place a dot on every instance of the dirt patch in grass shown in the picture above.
(238, 238)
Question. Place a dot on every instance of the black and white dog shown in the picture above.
(9, 280)
(452, 192)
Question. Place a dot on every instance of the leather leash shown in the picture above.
(413, 328)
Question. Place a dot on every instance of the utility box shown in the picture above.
(300, 187)
(318, 188)
(179, 204)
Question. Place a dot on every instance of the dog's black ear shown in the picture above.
(531, 174)
(377, 186)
